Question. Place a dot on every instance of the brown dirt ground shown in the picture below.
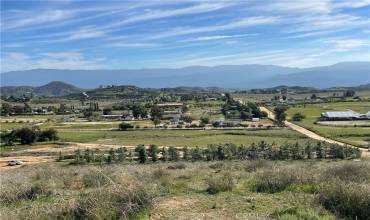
(175, 202)
(27, 160)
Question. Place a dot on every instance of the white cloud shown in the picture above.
(157, 14)
(243, 23)
(31, 18)
(342, 45)
(328, 22)
(131, 45)
(60, 60)
(297, 6)
(215, 37)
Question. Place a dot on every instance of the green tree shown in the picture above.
(48, 135)
(139, 111)
(349, 93)
(87, 156)
(156, 112)
(298, 117)
(142, 156)
(196, 154)
(125, 126)
(253, 154)
(205, 119)
(78, 156)
(153, 152)
(26, 135)
(186, 154)
(186, 118)
(121, 154)
(164, 153)
(111, 156)
(296, 152)
(220, 152)
(309, 150)
(173, 154)
(280, 115)
(319, 151)
(107, 111)
(156, 121)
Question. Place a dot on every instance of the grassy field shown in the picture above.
(182, 137)
(356, 135)
(325, 190)
(259, 97)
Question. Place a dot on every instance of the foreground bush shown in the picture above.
(113, 203)
(279, 179)
(220, 184)
(348, 200)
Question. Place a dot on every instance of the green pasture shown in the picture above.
(182, 137)
(352, 135)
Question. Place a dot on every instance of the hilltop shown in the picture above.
(54, 88)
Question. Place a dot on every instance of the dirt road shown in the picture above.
(311, 134)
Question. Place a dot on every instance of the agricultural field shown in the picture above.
(188, 190)
(189, 138)
(359, 136)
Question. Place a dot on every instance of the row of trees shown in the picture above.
(28, 135)
(213, 152)
(8, 109)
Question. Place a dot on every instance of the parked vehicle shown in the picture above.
(14, 162)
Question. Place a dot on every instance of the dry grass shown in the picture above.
(228, 189)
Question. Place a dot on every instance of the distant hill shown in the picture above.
(346, 74)
(52, 89)
(229, 76)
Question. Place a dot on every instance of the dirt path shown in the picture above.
(27, 160)
(311, 134)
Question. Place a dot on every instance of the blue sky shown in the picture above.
(159, 33)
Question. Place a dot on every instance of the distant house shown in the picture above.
(255, 119)
(112, 117)
(229, 122)
(343, 115)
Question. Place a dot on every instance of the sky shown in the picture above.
(173, 34)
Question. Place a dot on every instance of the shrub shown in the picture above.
(220, 184)
(252, 166)
(216, 124)
(173, 154)
(277, 180)
(26, 191)
(348, 172)
(346, 199)
(96, 179)
(298, 117)
(125, 126)
(48, 135)
(177, 166)
(113, 203)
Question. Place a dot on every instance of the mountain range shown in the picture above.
(228, 76)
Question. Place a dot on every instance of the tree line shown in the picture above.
(28, 135)
(213, 152)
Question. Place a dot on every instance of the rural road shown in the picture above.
(309, 133)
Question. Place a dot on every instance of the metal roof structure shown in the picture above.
(345, 114)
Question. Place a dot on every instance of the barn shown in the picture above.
(341, 115)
